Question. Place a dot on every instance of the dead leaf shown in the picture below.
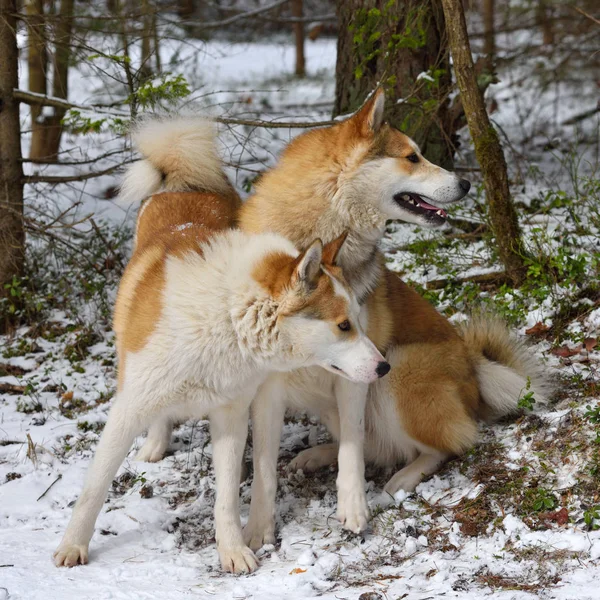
(566, 352)
(297, 570)
(537, 329)
(67, 396)
(560, 517)
(590, 343)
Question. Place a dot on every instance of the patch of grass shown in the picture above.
(95, 427)
(78, 349)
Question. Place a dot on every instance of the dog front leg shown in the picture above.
(229, 429)
(268, 409)
(122, 426)
(353, 509)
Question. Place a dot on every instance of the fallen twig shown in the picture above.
(497, 277)
(49, 487)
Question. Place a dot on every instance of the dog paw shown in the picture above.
(151, 451)
(238, 560)
(257, 536)
(312, 459)
(69, 555)
(405, 481)
(353, 509)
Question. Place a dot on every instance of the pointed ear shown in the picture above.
(331, 251)
(370, 116)
(308, 265)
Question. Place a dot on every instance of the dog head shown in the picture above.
(390, 172)
(318, 315)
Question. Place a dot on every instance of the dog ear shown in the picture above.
(370, 116)
(308, 265)
(331, 251)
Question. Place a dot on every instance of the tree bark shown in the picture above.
(419, 107)
(298, 11)
(12, 233)
(489, 33)
(37, 65)
(60, 85)
(488, 150)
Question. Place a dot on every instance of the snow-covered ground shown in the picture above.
(475, 530)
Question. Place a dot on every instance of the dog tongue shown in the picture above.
(424, 204)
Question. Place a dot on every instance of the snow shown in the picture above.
(163, 546)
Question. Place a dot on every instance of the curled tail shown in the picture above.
(506, 368)
(179, 155)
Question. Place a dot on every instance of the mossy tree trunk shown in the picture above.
(401, 45)
(12, 235)
(488, 150)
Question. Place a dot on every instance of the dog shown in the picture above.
(356, 175)
(205, 313)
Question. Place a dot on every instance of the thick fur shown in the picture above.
(179, 155)
(204, 315)
(506, 368)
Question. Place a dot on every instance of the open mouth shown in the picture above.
(415, 204)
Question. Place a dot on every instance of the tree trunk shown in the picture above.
(489, 33)
(147, 35)
(60, 86)
(298, 11)
(37, 65)
(403, 46)
(488, 150)
(12, 235)
(544, 17)
(156, 43)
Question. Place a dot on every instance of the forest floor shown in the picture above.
(517, 517)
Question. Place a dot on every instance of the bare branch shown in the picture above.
(585, 14)
(41, 100)
(68, 178)
(29, 98)
(238, 17)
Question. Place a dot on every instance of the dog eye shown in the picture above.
(345, 325)
(414, 157)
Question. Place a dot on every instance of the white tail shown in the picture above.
(506, 368)
(179, 155)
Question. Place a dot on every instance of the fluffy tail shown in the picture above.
(506, 369)
(179, 155)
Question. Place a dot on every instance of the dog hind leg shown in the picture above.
(314, 458)
(157, 441)
(412, 474)
(123, 424)
(268, 409)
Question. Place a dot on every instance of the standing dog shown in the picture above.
(203, 314)
(355, 176)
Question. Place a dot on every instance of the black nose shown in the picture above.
(465, 185)
(383, 368)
